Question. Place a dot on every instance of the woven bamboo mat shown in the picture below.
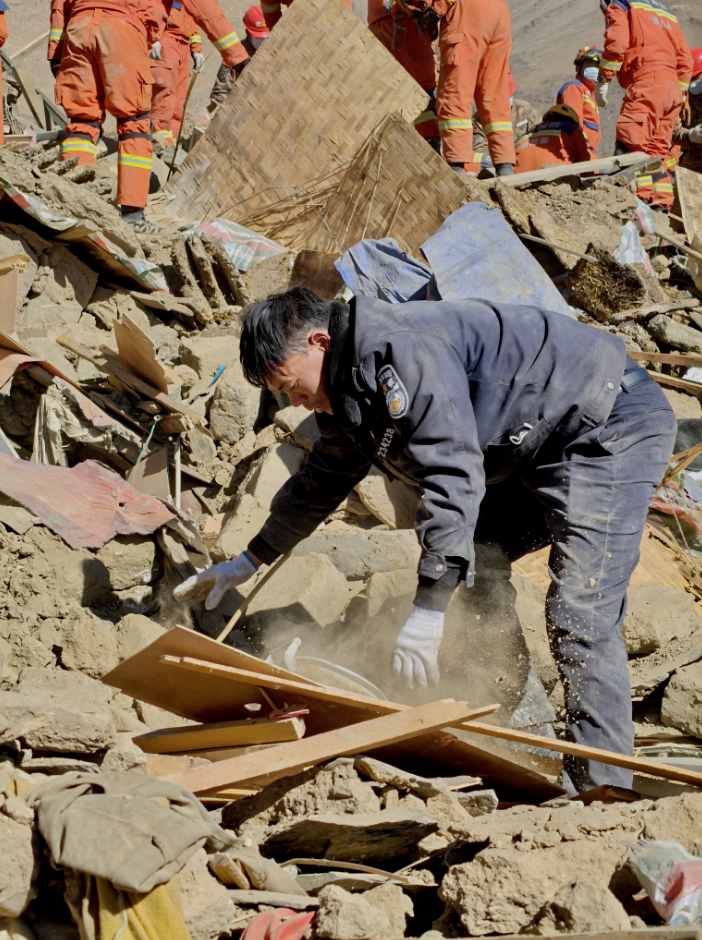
(657, 565)
(396, 186)
(688, 185)
(296, 117)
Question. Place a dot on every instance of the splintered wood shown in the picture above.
(295, 118)
(396, 187)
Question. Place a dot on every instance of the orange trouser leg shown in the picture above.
(454, 99)
(163, 99)
(182, 81)
(79, 90)
(655, 188)
(415, 53)
(648, 114)
(492, 96)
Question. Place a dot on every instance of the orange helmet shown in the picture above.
(254, 23)
(696, 62)
(591, 53)
(562, 110)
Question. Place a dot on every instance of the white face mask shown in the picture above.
(696, 86)
(511, 99)
(257, 43)
(591, 73)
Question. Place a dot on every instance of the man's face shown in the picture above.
(303, 375)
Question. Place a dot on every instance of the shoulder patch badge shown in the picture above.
(394, 391)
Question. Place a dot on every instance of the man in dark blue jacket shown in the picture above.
(570, 435)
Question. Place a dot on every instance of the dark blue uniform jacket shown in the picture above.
(447, 396)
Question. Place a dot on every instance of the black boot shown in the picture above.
(505, 169)
(134, 217)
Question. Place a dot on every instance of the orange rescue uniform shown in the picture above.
(3, 36)
(646, 50)
(551, 142)
(578, 93)
(172, 72)
(272, 11)
(475, 38)
(414, 51)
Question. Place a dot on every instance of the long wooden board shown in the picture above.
(213, 698)
(686, 384)
(574, 169)
(671, 359)
(649, 933)
(291, 758)
(185, 739)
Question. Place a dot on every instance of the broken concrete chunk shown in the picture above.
(60, 298)
(234, 410)
(681, 700)
(657, 615)
(206, 354)
(648, 672)
(478, 802)
(135, 632)
(239, 528)
(584, 904)
(271, 471)
(344, 916)
(88, 644)
(378, 836)
(269, 276)
(358, 554)
(299, 424)
(391, 501)
(394, 903)
(17, 867)
(307, 589)
(677, 818)
(447, 809)
(386, 773)
(207, 907)
(675, 334)
(17, 809)
(124, 755)
(129, 560)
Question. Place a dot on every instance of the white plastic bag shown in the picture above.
(672, 878)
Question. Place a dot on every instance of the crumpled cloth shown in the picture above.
(282, 924)
(379, 268)
(102, 912)
(135, 831)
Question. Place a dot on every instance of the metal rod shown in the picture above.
(676, 244)
(542, 241)
(178, 475)
(31, 45)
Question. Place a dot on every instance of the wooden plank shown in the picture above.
(319, 106)
(224, 753)
(695, 387)
(672, 359)
(547, 173)
(688, 186)
(212, 698)
(639, 764)
(132, 381)
(218, 734)
(649, 933)
(138, 353)
(291, 758)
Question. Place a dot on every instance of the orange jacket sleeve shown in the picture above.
(209, 17)
(58, 25)
(3, 29)
(573, 97)
(577, 146)
(441, 7)
(617, 41)
(194, 38)
(684, 61)
(271, 12)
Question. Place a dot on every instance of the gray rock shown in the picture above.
(18, 810)
(681, 700)
(88, 645)
(394, 903)
(271, 471)
(299, 424)
(17, 867)
(583, 904)
(344, 916)
(390, 501)
(124, 755)
(133, 633)
(478, 802)
(385, 773)
(234, 410)
(656, 616)
(675, 334)
(359, 554)
(129, 560)
(378, 836)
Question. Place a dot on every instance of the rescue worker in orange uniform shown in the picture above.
(272, 11)
(646, 50)
(579, 94)
(475, 38)
(99, 53)
(688, 130)
(256, 34)
(3, 36)
(524, 119)
(179, 42)
(396, 28)
(559, 138)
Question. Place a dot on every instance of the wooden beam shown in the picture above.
(676, 244)
(547, 173)
(640, 313)
(695, 387)
(220, 734)
(285, 759)
(639, 764)
(649, 933)
(670, 359)
(31, 46)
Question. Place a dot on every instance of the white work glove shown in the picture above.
(199, 61)
(695, 135)
(156, 51)
(601, 94)
(416, 652)
(211, 585)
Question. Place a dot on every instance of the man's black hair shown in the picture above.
(275, 328)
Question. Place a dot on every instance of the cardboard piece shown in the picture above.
(295, 118)
(151, 475)
(138, 353)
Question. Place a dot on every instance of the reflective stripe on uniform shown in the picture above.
(642, 181)
(196, 37)
(270, 7)
(455, 124)
(139, 163)
(684, 85)
(663, 186)
(612, 66)
(56, 35)
(498, 127)
(226, 41)
(424, 117)
(646, 7)
(73, 145)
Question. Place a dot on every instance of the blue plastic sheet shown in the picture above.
(475, 253)
(379, 268)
